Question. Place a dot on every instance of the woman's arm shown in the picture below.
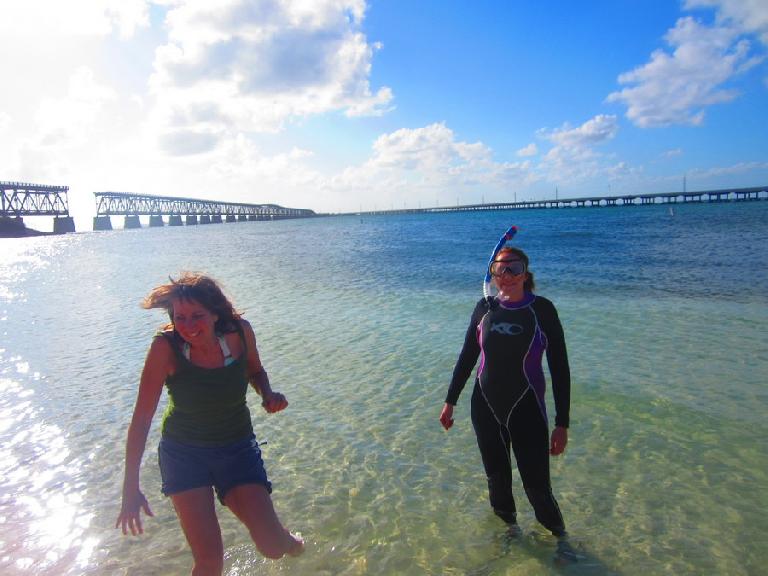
(464, 364)
(467, 357)
(271, 401)
(559, 369)
(157, 366)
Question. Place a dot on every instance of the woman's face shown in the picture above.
(509, 272)
(193, 321)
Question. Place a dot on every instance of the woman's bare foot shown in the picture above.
(296, 546)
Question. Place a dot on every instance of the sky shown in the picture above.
(348, 105)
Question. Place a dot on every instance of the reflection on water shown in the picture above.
(662, 475)
(43, 510)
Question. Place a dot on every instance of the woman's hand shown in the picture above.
(130, 514)
(559, 440)
(273, 401)
(446, 416)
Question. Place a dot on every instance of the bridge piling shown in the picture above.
(12, 227)
(63, 224)
(102, 223)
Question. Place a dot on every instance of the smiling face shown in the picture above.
(509, 273)
(193, 321)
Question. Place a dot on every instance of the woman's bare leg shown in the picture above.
(197, 514)
(252, 504)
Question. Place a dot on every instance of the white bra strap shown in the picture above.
(224, 351)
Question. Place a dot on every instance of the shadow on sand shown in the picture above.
(538, 553)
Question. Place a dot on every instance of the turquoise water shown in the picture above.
(359, 323)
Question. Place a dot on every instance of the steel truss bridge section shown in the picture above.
(18, 199)
(129, 204)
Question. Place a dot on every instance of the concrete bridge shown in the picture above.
(19, 199)
(724, 195)
(192, 210)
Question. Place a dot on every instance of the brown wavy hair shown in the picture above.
(529, 285)
(197, 287)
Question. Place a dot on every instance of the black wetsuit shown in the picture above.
(508, 399)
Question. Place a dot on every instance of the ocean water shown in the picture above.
(359, 321)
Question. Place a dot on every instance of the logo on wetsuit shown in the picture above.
(506, 328)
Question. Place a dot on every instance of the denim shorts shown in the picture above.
(184, 467)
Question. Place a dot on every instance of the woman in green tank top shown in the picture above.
(205, 358)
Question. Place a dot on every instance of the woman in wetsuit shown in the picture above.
(511, 332)
(206, 358)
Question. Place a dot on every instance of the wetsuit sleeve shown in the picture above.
(467, 357)
(557, 359)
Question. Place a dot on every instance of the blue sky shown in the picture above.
(341, 105)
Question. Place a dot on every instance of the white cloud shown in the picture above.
(530, 150)
(735, 169)
(235, 66)
(594, 131)
(621, 171)
(62, 127)
(240, 161)
(67, 122)
(673, 153)
(44, 18)
(676, 88)
(749, 16)
(573, 155)
(425, 165)
(429, 163)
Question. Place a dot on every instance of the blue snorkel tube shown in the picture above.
(508, 235)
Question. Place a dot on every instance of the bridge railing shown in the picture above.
(125, 203)
(19, 199)
(724, 195)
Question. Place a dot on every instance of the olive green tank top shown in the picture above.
(206, 406)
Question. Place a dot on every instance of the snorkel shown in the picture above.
(508, 235)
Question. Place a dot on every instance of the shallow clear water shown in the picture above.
(359, 323)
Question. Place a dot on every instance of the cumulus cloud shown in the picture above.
(43, 18)
(621, 171)
(429, 165)
(434, 156)
(749, 16)
(62, 125)
(573, 154)
(530, 150)
(594, 131)
(676, 87)
(740, 168)
(237, 66)
(240, 160)
(67, 122)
